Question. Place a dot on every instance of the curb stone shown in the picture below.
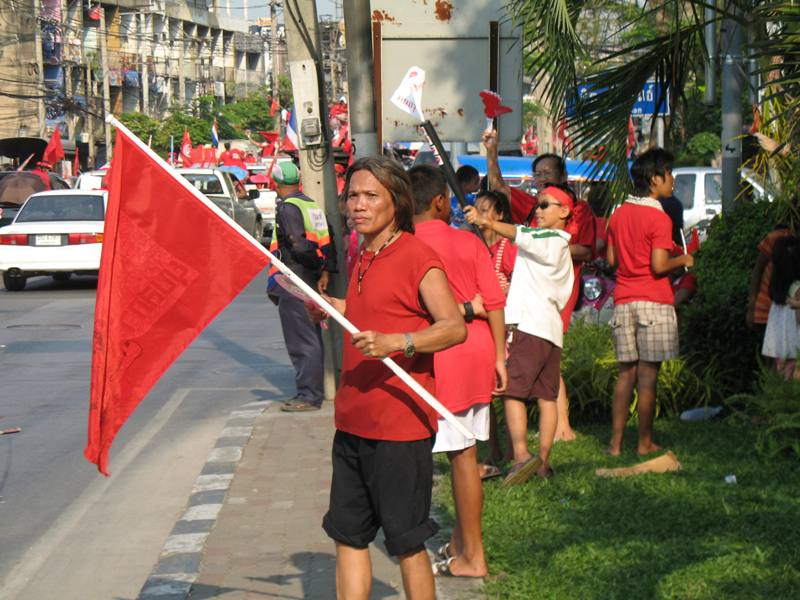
(178, 564)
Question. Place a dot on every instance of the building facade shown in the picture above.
(68, 63)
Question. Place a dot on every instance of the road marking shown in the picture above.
(202, 512)
(27, 566)
(226, 454)
(184, 543)
(207, 483)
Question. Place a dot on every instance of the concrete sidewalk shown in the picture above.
(267, 541)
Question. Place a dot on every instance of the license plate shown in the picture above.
(48, 240)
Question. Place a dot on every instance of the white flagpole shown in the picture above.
(308, 290)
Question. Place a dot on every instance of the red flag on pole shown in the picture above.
(273, 107)
(186, 148)
(167, 269)
(76, 163)
(54, 151)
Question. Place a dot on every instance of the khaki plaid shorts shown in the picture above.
(645, 331)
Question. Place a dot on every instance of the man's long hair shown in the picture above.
(391, 175)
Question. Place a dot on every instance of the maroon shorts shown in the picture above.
(533, 368)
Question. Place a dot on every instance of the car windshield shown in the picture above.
(207, 183)
(62, 208)
(683, 189)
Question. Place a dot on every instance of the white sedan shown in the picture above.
(55, 233)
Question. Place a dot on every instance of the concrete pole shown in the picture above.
(273, 46)
(360, 84)
(181, 50)
(106, 86)
(319, 181)
(37, 48)
(710, 96)
(732, 81)
(89, 119)
(144, 53)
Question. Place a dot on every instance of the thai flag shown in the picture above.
(290, 140)
(214, 135)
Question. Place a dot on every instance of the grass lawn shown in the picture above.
(675, 535)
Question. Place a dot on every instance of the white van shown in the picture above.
(700, 191)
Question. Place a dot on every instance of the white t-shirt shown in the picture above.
(541, 283)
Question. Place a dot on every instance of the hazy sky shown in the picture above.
(260, 8)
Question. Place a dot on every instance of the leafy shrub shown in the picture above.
(700, 149)
(590, 372)
(713, 329)
(774, 407)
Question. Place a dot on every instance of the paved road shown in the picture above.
(68, 532)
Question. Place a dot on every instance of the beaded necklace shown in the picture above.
(371, 260)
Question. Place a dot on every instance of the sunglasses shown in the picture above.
(545, 204)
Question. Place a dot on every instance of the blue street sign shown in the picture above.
(645, 104)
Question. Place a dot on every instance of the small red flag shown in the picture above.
(167, 269)
(54, 151)
(186, 148)
(273, 107)
(76, 164)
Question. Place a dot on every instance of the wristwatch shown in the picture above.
(469, 312)
(409, 349)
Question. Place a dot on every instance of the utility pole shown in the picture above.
(273, 45)
(360, 84)
(732, 81)
(144, 54)
(106, 87)
(37, 48)
(709, 14)
(316, 159)
(89, 119)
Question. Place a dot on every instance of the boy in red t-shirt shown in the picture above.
(400, 300)
(644, 324)
(467, 375)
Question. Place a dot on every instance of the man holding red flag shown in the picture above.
(159, 284)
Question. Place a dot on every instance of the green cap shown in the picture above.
(286, 173)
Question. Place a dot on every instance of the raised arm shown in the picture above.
(507, 230)
(496, 181)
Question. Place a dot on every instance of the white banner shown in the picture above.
(408, 96)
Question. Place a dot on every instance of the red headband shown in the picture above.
(560, 195)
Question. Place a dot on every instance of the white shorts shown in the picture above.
(475, 418)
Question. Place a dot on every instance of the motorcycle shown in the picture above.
(596, 300)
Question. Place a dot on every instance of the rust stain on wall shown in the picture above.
(444, 10)
(382, 15)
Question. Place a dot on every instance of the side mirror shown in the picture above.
(253, 194)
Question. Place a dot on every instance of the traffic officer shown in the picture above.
(301, 240)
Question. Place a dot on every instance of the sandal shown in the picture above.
(444, 552)
(442, 567)
(489, 471)
(521, 472)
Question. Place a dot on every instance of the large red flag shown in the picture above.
(186, 148)
(54, 151)
(167, 269)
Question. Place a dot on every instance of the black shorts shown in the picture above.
(384, 484)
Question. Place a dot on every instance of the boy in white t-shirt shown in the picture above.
(540, 288)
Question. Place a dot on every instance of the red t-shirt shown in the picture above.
(465, 373)
(634, 231)
(521, 205)
(581, 228)
(504, 254)
(372, 402)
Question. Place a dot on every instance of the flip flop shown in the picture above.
(489, 471)
(444, 551)
(521, 472)
(442, 567)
